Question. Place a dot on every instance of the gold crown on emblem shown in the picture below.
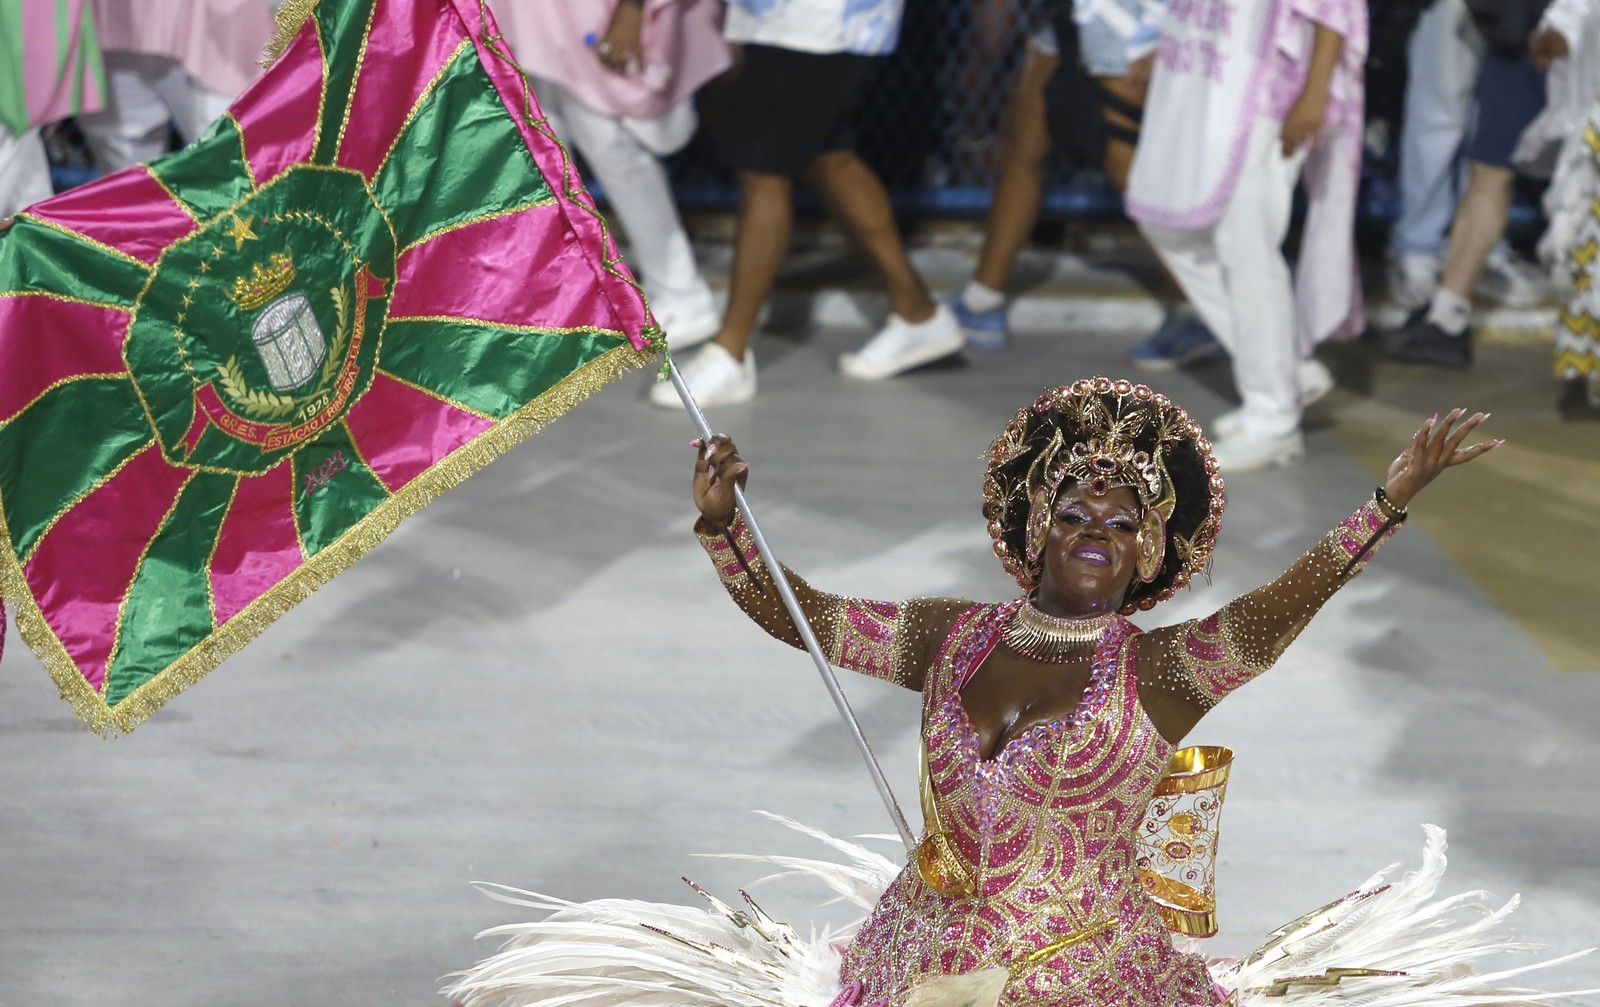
(265, 283)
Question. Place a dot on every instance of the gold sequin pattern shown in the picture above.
(1048, 825)
(893, 641)
(1203, 660)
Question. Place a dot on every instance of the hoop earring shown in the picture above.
(1039, 518)
(1150, 545)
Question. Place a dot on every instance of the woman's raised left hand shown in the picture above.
(1436, 447)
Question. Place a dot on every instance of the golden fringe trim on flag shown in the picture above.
(317, 570)
(289, 18)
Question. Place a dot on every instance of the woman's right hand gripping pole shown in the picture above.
(717, 469)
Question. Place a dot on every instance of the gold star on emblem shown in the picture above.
(205, 267)
(193, 283)
(188, 299)
(216, 251)
(240, 231)
(178, 334)
(181, 317)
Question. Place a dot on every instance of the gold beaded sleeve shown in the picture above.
(1203, 660)
(894, 641)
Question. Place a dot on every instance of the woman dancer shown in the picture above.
(1048, 721)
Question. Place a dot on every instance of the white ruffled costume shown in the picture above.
(1386, 944)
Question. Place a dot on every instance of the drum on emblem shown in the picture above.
(286, 336)
(289, 342)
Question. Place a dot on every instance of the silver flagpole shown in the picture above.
(830, 681)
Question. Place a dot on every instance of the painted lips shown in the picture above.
(1092, 554)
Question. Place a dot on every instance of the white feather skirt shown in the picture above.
(1387, 944)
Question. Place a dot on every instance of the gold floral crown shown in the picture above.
(1103, 435)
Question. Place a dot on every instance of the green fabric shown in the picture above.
(44, 258)
(461, 157)
(100, 417)
(343, 33)
(89, 50)
(13, 93)
(163, 614)
(211, 176)
(325, 510)
(477, 367)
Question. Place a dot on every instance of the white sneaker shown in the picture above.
(687, 321)
(902, 345)
(714, 379)
(1227, 425)
(1513, 282)
(1412, 279)
(1316, 381)
(1246, 450)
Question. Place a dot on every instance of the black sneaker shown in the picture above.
(1420, 341)
(1580, 398)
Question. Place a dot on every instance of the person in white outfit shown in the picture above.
(1244, 94)
(624, 100)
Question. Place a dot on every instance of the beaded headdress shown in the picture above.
(1103, 434)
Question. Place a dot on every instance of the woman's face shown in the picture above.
(1089, 558)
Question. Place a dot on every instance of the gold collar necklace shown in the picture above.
(1050, 638)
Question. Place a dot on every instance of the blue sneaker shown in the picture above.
(1183, 339)
(984, 330)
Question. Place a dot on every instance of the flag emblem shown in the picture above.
(228, 373)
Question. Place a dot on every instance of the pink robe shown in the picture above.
(216, 41)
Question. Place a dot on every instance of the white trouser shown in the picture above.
(144, 95)
(1443, 55)
(24, 171)
(1234, 275)
(635, 184)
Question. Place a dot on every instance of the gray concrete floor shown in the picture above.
(538, 681)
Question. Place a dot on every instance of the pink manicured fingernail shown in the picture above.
(743, 467)
(1434, 418)
(695, 443)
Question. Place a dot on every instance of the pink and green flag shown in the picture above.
(227, 374)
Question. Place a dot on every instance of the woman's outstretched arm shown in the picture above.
(894, 641)
(1187, 669)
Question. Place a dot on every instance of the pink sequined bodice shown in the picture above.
(1049, 825)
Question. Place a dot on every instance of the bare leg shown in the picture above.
(1024, 145)
(1119, 155)
(766, 216)
(1480, 221)
(861, 205)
